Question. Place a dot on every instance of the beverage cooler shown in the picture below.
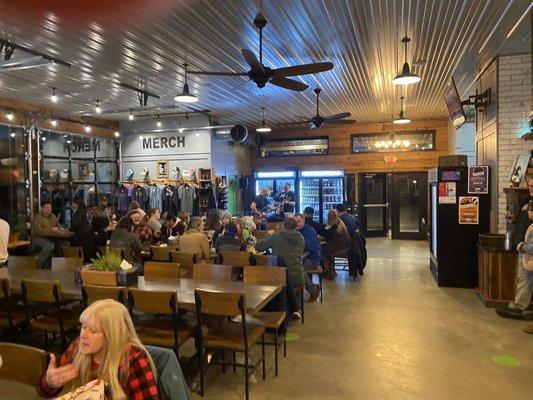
(459, 212)
(274, 180)
(320, 190)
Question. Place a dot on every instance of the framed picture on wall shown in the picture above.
(162, 169)
(83, 170)
(519, 169)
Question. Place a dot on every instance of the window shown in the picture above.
(420, 140)
(295, 147)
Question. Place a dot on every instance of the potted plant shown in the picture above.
(108, 270)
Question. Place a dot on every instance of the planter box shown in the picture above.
(122, 277)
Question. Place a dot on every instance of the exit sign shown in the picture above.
(390, 159)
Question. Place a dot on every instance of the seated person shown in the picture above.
(108, 348)
(123, 237)
(246, 227)
(170, 228)
(45, 226)
(212, 220)
(154, 220)
(140, 228)
(226, 219)
(338, 240)
(311, 258)
(229, 240)
(135, 206)
(194, 241)
(317, 226)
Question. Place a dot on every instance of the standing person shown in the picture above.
(260, 205)
(311, 258)
(357, 254)
(108, 348)
(4, 238)
(44, 226)
(194, 241)
(287, 201)
(337, 241)
(81, 227)
(289, 245)
(518, 309)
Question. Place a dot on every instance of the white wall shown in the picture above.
(229, 159)
(462, 141)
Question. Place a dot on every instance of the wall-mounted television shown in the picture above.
(453, 102)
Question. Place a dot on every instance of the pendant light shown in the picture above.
(97, 108)
(53, 122)
(54, 97)
(10, 116)
(406, 77)
(401, 119)
(185, 96)
(131, 117)
(264, 128)
(158, 122)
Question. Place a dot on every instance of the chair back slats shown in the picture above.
(185, 260)
(212, 272)
(219, 303)
(261, 259)
(66, 263)
(92, 293)
(72, 251)
(100, 278)
(154, 302)
(269, 276)
(235, 258)
(158, 271)
(160, 253)
(21, 363)
(22, 262)
(41, 291)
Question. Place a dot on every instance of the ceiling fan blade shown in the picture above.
(287, 83)
(304, 69)
(217, 73)
(294, 123)
(342, 121)
(252, 61)
(337, 117)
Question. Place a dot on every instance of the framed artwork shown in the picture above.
(162, 169)
(519, 169)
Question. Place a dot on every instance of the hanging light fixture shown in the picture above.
(10, 116)
(131, 117)
(87, 128)
(401, 119)
(392, 142)
(117, 134)
(185, 96)
(197, 133)
(54, 97)
(158, 122)
(53, 122)
(12, 134)
(406, 77)
(264, 128)
(97, 108)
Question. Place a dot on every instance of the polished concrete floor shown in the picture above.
(394, 335)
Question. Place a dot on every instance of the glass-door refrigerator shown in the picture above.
(320, 190)
(274, 180)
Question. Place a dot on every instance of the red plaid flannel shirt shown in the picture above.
(140, 385)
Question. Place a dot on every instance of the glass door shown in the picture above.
(309, 196)
(409, 205)
(331, 194)
(373, 203)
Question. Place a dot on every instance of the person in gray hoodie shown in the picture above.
(289, 245)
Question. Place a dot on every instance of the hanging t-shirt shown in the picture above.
(155, 194)
(187, 195)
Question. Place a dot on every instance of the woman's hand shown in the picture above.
(57, 377)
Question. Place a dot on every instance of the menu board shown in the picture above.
(469, 210)
(478, 179)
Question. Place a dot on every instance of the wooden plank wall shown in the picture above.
(339, 156)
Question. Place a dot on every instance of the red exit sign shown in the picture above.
(390, 159)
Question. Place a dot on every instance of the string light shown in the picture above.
(98, 109)
(54, 97)
(117, 134)
(10, 116)
(87, 128)
(131, 117)
(53, 122)
(158, 123)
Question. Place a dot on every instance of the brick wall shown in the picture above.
(514, 104)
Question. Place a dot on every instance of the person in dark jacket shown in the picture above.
(337, 241)
(124, 237)
(224, 220)
(317, 226)
(311, 258)
(229, 241)
(289, 245)
(357, 251)
(81, 227)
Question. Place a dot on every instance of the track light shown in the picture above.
(185, 96)
(131, 117)
(264, 128)
(117, 134)
(10, 116)
(406, 77)
(401, 119)
(197, 133)
(158, 122)
(54, 97)
(98, 109)
(53, 122)
(87, 128)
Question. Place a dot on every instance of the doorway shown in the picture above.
(409, 205)
(373, 204)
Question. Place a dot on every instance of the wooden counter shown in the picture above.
(496, 275)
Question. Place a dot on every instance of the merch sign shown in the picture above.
(166, 144)
(163, 142)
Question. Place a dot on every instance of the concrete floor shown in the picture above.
(394, 335)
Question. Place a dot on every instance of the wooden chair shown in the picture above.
(57, 319)
(165, 332)
(273, 320)
(235, 258)
(72, 251)
(11, 314)
(185, 260)
(160, 253)
(318, 272)
(92, 293)
(99, 278)
(212, 272)
(66, 263)
(21, 363)
(22, 262)
(161, 271)
(236, 337)
(261, 259)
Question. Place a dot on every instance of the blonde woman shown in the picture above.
(337, 240)
(108, 348)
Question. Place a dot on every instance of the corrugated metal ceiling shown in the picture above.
(147, 42)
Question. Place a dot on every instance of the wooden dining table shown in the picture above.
(10, 389)
(257, 296)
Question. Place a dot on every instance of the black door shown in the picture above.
(409, 205)
(373, 204)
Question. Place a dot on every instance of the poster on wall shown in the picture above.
(478, 179)
(469, 210)
(447, 193)
(519, 169)
(162, 169)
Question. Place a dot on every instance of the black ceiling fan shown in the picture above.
(261, 75)
(317, 121)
